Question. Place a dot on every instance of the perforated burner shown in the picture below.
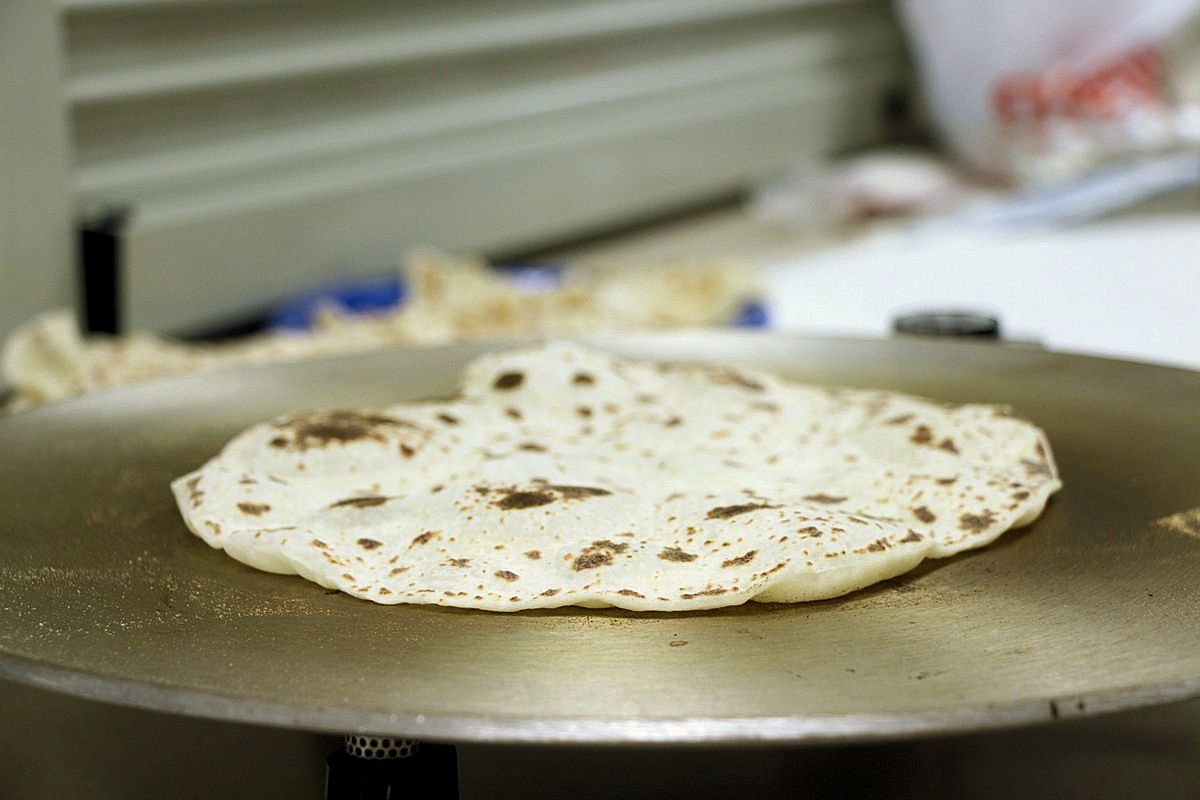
(383, 767)
(379, 748)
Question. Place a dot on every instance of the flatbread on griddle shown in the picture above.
(566, 476)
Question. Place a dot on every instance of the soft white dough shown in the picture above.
(566, 476)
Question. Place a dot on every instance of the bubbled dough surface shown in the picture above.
(566, 476)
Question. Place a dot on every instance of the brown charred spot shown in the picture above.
(677, 555)
(531, 447)
(398, 571)
(253, 509)
(729, 377)
(947, 481)
(590, 559)
(809, 530)
(359, 502)
(319, 543)
(407, 451)
(673, 421)
(384, 590)
(976, 522)
(877, 546)
(533, 555)
(437, 487)
(369, 544)
(583, 379)
(1020, 495)
(902, 419)
(193, 488)
(827, 499)
(583, 411)
(512, 413)
(578, 492)
(600, 554)
(912, 537)
(523, 499)
(424, 538)
(605, 544)
(449, 419)
(725, 512)
(765, 406)
(505, 575)
(948, 445)
(458, 562)
(324, 428)
(631, 593)
(508, 380)
(923, 514)
(278, 441)
(705, 593)
(741, 560)
(551, 592)
(922, 435)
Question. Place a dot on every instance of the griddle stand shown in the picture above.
(384, 768)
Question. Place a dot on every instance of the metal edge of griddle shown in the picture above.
(745, 731)
(615, 339)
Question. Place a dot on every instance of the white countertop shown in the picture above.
(1125, 289)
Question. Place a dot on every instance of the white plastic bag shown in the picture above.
(1033, 90)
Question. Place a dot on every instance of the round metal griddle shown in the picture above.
(1095, 607)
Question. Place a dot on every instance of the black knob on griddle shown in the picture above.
(383, 768)
(948, 323)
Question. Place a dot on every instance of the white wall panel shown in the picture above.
(263, 145)
(36, 198)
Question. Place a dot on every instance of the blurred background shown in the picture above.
(259, 147)
(300, 177)
(205, 168)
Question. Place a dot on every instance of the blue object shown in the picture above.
(751, 315)
(361, 296)
(533, 277)
(388, 292)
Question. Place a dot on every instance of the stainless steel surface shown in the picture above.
(68, 748)
(1094, 608)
